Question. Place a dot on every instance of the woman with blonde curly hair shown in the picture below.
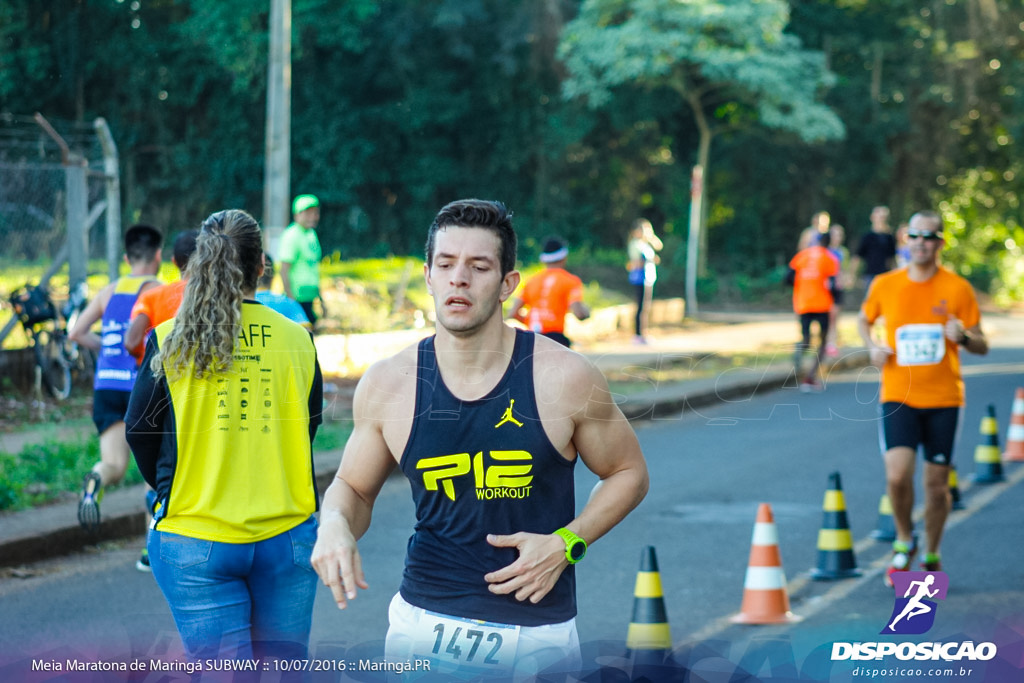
(221, 423)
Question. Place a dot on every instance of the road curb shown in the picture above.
(732, 385)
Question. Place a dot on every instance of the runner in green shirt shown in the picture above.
(300, 256)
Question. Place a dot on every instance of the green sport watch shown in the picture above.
(575, 547)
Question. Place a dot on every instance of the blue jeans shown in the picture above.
(239, 601)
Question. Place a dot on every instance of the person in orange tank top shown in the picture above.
(160, 303)
(548, 296)
(814, 270)
(929, 312)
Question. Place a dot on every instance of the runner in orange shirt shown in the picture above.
(160, 303)
(929, 312)
(549, 295)
(814, 271)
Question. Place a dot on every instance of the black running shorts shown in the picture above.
(108, 408)
(933, 429)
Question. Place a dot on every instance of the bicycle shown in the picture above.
(55, 355)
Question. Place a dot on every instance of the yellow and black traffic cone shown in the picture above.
(988, 464)
(835, 544)
(954, 489)
(886, 527)
(648, 632)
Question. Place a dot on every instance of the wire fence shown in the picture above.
(33, 185)
(56, 179)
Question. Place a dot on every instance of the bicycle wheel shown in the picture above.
(56, 369)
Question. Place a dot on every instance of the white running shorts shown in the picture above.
(430, 643)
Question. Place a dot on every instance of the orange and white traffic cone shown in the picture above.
(1015, 432)
(765, 600)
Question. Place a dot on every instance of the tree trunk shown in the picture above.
(696, 257)
(703, 158)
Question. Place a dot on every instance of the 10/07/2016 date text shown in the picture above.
(349, 665)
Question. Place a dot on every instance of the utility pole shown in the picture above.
(277, 161)
(693, 243)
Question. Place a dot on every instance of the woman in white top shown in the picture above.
(643, 271)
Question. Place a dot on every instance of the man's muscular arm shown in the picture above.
(348, 502)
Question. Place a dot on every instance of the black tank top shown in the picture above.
(476, 468)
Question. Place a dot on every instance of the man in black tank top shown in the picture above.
(490, 451)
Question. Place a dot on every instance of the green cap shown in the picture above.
(303, 202)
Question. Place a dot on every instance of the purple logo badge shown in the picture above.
(914, 611)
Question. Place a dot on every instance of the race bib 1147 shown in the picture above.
(923, 344)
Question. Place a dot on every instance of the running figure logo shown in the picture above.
(508, 417)
(914, 613)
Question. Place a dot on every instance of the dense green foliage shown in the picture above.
(399, 106)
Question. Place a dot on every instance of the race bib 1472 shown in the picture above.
(466, 643)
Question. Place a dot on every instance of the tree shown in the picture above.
(729, 61)
(930, 97)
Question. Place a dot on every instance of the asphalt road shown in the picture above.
(710, 469)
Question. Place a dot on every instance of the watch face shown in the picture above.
(577, 550)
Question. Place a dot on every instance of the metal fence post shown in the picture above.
(113, 188)
(77, 207)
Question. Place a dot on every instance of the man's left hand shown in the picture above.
(534, 573)
(954, 330)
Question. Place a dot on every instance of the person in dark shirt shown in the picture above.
(489, 444)
(877, 249)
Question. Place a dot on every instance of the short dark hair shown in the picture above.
(142, 242)
(184, 247)
(477, 213)
(267, 278)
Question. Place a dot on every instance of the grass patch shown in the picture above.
(46, 472)
(332, 434)
(52, 470)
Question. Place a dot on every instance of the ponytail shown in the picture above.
(229, 250)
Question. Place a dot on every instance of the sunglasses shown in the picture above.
(924, 235)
